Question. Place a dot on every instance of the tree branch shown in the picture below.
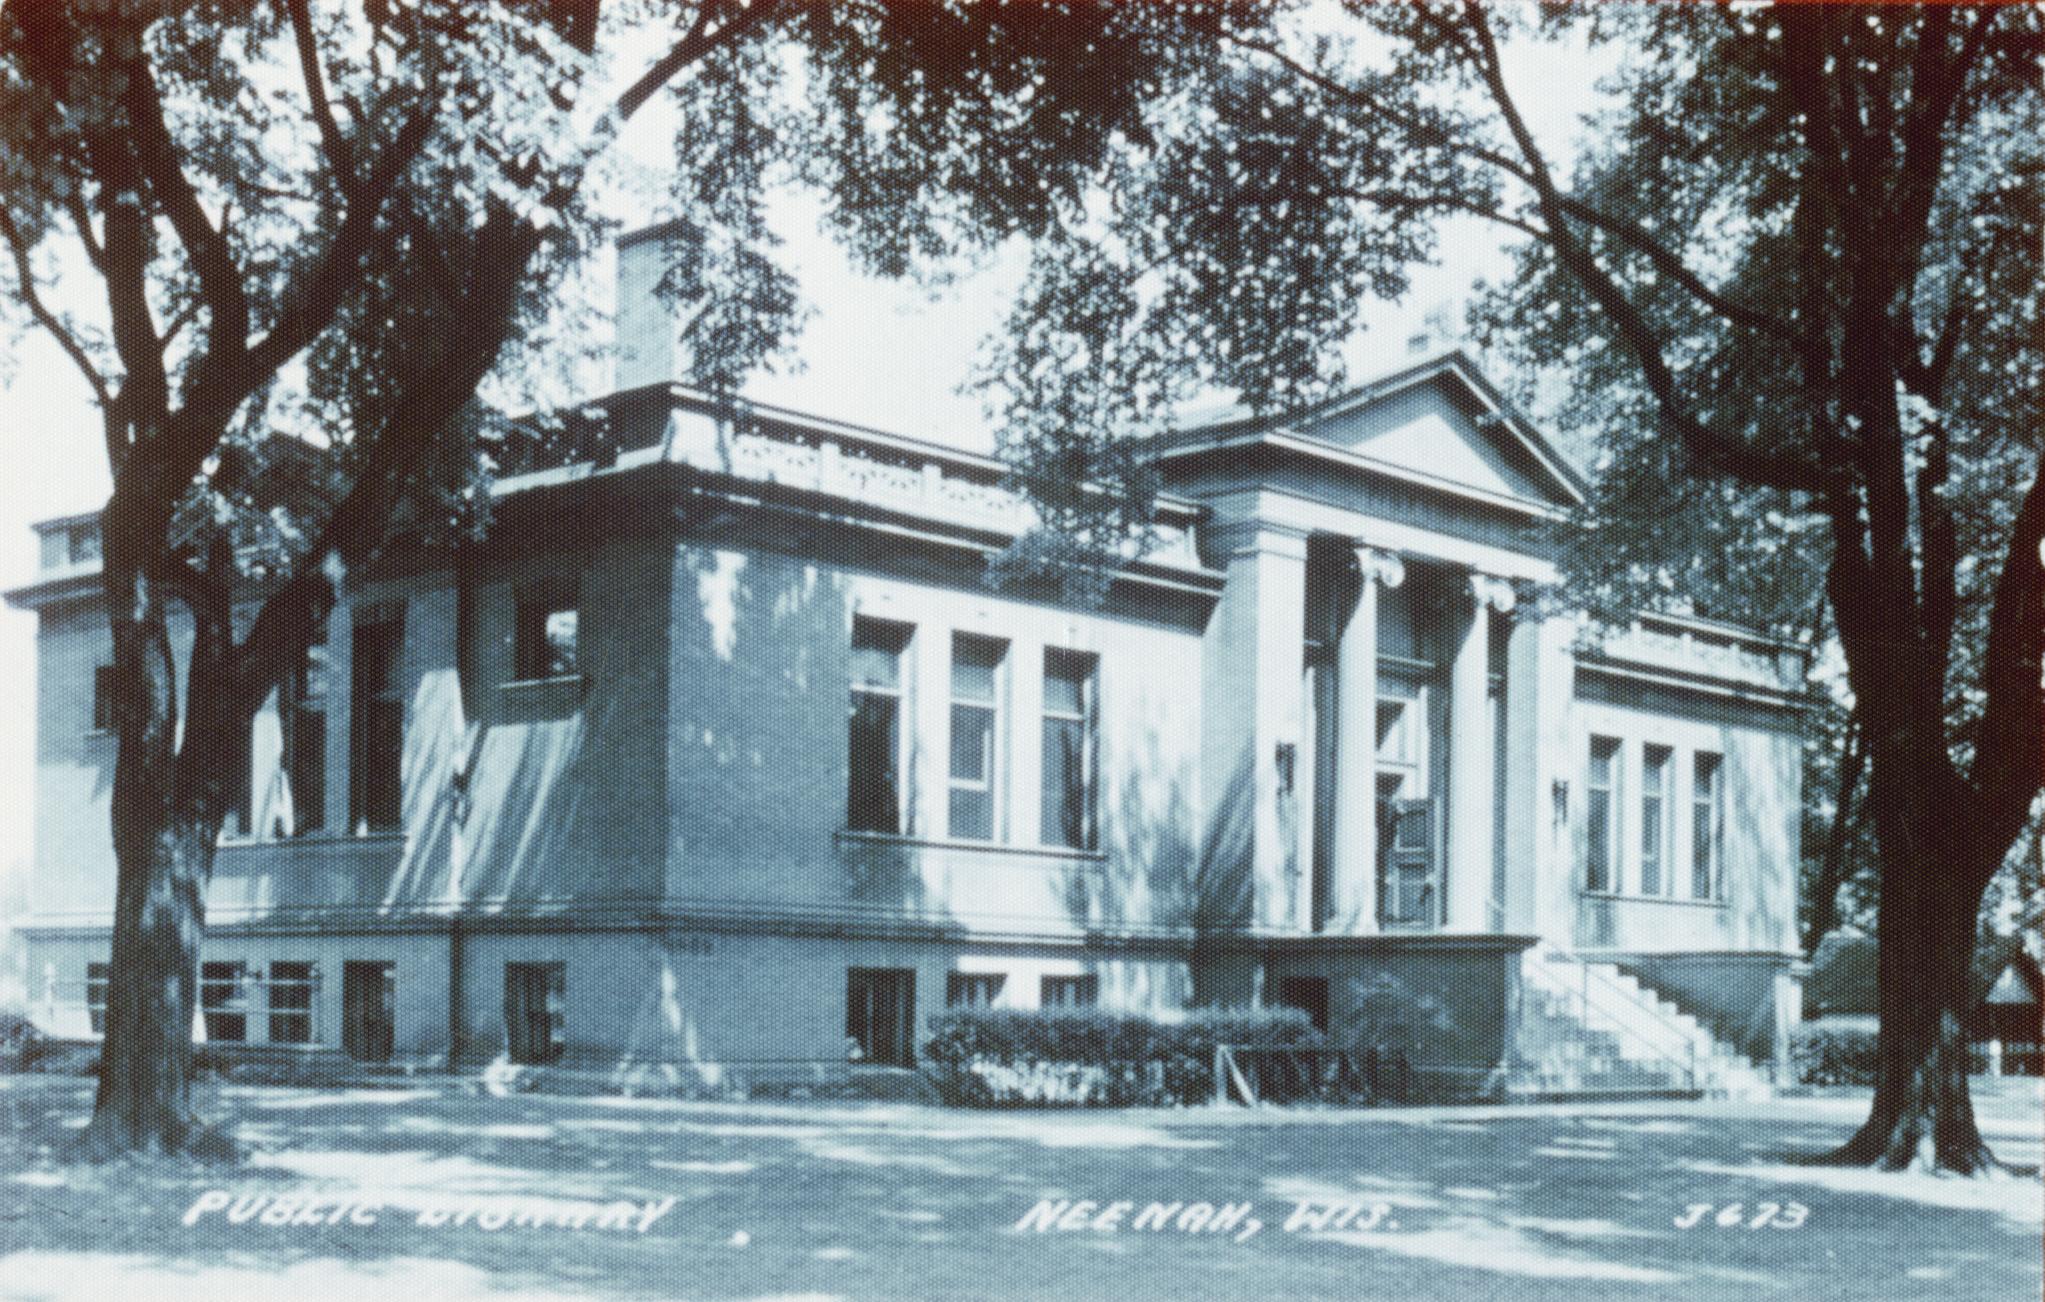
(212, 260)
(308, 307)
(1934, 90)
(2009, 737)
(339, 156)
(1664, 259)
(94, 252)
(699, 41)
(1721, 452)
(45, 318)
(1938, 549)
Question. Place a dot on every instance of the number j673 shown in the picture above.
(1734, 1216)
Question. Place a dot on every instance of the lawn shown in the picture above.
(445, 1194)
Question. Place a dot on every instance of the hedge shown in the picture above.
(1090, 1057)
(1833, 1055)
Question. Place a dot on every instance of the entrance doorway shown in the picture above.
(1409, 885)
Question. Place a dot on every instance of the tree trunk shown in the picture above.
(1922, 1117)
(145, 1072)
(164, 832)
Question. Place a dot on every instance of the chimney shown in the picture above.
(645, 317)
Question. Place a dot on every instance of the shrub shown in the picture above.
(1091, 1057)
(20, 1042)
(1833, 1054)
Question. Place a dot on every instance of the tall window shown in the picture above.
(873, 789)
(1069, 750)
(546, 641)
(534, 995)
(1600, 840)
(975, 734)
(304, 719)
(375, 783)
(223, 1000)
(1654, 818)
(291, 1003)
(1070, 992)
(1705, 821)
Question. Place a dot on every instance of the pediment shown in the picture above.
(1442, 422)
(1436, 424)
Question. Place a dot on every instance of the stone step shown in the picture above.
(1629, 1037)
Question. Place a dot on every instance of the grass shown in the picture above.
(898, 1201)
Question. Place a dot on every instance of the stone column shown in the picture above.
(1251, 690)
(1354, 901)
(1542, 776)
(1472, 761)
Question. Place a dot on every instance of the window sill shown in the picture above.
(954, 843)
(1625, 898)
(321, 837)
(557, 682)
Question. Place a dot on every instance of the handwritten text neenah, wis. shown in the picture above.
(1237, 1219)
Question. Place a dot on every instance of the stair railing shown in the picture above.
(1580, 990)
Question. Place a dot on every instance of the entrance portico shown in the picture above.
(1362, 690)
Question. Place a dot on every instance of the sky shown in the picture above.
(889, 355)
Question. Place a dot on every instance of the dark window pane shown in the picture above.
(222, 1001)
(873, 801)
(973, 989)
(305, 742)
(534, 994)
(376, 790)
(548, 632)
(1065, 793)
(972, 772)
(975, 664)
(877, 648)
(880, 1015)
(1598, 838)
(1599, 841)
(291, 1003)
(1071, 991)
(873, 797)
(368, 1008)
(1066, 675)
(1704, 816)
(1068, 788)
(972, 814)
(972, 743)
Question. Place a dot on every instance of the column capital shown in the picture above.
(1492, 592)
(1379, 565)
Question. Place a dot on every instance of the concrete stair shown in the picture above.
(1590, 1029)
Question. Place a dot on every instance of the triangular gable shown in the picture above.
(1441, 420)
